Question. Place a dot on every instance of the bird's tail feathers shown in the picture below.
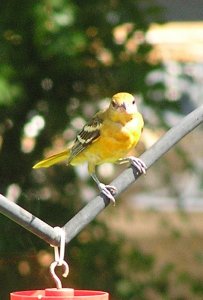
(52, 160)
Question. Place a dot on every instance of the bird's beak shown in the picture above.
(123, 105)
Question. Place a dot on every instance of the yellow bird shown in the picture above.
(108, 137)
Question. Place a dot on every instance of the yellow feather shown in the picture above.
(47, 162)
(118, 130)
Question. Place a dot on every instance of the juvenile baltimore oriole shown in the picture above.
(108, 137)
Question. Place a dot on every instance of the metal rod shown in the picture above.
(28, 221)
(129, 176)
(95, 206)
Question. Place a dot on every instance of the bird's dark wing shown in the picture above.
(89, 134)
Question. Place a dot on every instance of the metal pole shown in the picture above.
(129, 176)
(28, 221)
(95, 206)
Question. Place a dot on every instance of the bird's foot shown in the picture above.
(137, 163)
(109, 191)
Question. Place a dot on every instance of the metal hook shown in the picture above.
(59, 259)
(53, 265)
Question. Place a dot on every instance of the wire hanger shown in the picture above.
(59, 261)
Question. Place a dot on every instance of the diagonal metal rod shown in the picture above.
(129, 176)
(28, 220)
(95, 206)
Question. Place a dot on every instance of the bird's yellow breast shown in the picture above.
(115, 141)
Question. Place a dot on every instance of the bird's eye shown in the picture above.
(133, 101)
(113, 104)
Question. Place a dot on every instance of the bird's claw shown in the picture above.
(138, 163)
(109, 191)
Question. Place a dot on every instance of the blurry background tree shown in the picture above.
(60, 61)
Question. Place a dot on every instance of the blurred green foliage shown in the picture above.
(58, 58)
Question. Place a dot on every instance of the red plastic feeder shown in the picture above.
(60, 294)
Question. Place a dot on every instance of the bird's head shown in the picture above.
(123, 103)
